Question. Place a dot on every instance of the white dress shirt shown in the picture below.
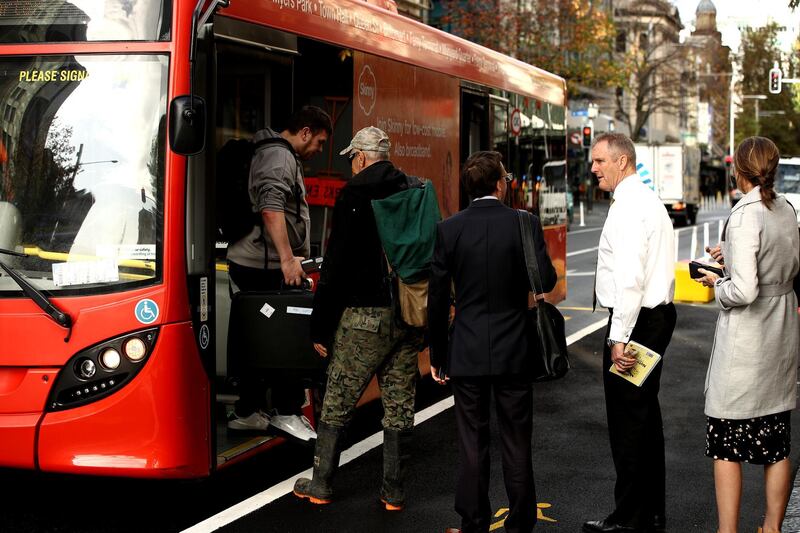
(635, 257)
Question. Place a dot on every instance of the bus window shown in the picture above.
(35, 21)
(787, 179)
(500, 126)
(84, 137)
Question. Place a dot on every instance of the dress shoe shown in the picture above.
(659, 523)
(452, 530)
(603, 526)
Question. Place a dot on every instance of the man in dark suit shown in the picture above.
(480, 251)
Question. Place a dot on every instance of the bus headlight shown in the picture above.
(101, 370)
(135, 349)
(86, 368)
(110, 359)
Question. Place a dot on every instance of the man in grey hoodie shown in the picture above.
(271, 253)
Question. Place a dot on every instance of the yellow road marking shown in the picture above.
(539, 515)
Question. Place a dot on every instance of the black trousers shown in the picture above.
(513, 401)
(288, 394)
(635, 427)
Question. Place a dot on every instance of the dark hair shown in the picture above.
(618, 144)
(481, 172)
(756, 160)
(311, 117)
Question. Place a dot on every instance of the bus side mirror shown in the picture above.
(187, 125)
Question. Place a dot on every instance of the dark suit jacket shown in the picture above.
(480, 250)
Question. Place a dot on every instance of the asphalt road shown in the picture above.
(572, 460)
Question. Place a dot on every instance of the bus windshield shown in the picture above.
(787, 179)
(82, 170)
(37, 21)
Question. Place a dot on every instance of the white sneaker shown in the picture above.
(297, 426)
(258, 421)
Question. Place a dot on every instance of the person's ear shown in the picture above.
(623, 161)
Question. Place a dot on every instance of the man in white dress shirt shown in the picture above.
(635, 281)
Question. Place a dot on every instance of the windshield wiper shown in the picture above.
(59, 317)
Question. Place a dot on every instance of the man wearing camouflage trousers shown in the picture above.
(353, 316)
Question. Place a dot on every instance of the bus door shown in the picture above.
(499, 118)
(475, 130)
(263, 76)
(253, 89)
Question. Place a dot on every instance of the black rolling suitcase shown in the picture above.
(270, 330)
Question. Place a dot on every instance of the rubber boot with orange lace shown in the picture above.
(395, 459)
(318, 490)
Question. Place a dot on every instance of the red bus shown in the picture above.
(113, 291)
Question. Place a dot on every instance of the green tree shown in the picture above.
(778, 116)
(571, 38)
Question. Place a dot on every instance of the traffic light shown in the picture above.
(587, 137)
(775, 76)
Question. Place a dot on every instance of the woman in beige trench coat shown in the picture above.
(751, 385)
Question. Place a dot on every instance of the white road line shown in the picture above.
(587, 230)
(586, 251)
(257, 501)
(571, 273)
(588, 330)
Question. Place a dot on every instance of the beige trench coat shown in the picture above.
(753, 367)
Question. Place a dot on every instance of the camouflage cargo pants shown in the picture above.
(364, 346)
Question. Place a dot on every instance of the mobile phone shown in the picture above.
(311, 265)
(695, 273)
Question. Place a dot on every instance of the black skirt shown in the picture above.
(761, 441)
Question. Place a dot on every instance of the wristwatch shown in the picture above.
(611, 342)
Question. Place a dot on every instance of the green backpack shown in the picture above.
(406, 224)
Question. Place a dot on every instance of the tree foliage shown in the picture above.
(571, 38)
(778, 116)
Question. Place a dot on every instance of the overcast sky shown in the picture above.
(733, 14)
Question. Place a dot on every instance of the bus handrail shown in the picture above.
(62, 256)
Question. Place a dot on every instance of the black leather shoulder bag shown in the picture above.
(547, 342)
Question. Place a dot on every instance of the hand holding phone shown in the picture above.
(439, 375)
(695, 266)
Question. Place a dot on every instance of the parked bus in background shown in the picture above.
(113, 288)
(787, 181)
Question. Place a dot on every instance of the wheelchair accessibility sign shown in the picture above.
(146, 311)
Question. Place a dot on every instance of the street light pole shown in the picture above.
(731, 117)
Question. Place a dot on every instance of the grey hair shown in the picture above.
(618, 144)
(376, 156)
